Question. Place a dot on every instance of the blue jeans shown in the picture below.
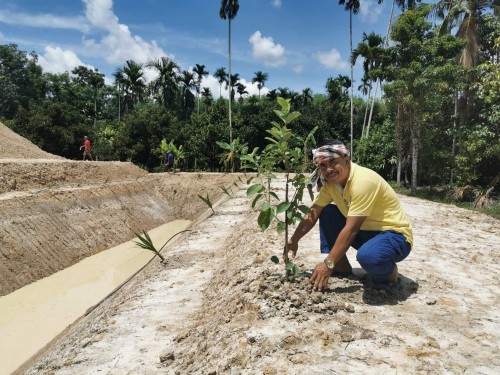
(378, 251)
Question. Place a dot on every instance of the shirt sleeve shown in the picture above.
(323, 198)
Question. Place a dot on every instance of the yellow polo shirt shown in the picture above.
(368, 194)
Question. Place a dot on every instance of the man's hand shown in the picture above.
(320, 276)
(293, 247)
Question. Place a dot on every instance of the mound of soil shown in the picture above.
(13, 146)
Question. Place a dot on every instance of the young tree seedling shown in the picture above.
(283, 153)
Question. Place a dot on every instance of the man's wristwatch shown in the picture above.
(329, 263)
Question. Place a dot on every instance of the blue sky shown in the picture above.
(298, 43)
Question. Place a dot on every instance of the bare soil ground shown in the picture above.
(219, 306)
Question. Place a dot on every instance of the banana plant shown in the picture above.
(232, 152)
(165, 147)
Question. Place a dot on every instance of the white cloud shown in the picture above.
(44, 21)
(298, 68)
(213, 84)
(370, 10)
(276, 3)
(118, 45)
(266, 51)
(332, 60)
(253, 89)
(57, 60)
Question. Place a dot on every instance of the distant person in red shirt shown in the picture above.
(86, 149)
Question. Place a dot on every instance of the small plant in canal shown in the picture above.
(207, 201)
(146, 242)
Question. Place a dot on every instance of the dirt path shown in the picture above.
(221, 307)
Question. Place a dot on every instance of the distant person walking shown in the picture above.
(86, 149)
(170, 162)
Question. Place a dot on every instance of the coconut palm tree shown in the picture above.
(119, 82)
(306, 96)
(167, 82)
(134, 82)
(242, 90)
(221, 76)
(353, 7)
(401, 4)
(365, 88)
(371, 49)
(188, 83)
(260, 78)
(406, 4)
(272, 95)
(464, 16)
(284, 92)
(235, 78)
(200, 72)
(207, 97)
(229, 10)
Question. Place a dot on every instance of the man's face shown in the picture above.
(335, 171)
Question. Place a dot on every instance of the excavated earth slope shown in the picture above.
(55, 212)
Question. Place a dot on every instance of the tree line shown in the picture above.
(437, 122)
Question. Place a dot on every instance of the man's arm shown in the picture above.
(303, 228)
(346, 236)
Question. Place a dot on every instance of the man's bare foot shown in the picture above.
(343, 266)
(394, 275)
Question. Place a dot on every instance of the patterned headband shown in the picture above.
(328, 152)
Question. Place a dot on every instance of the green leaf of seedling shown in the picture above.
(275, 124)
(280, 114)
(254, 189)
(265, 206)
(256, 199)
(265, 218)
(311, 193)
(304, 209)
(284, 103)
(282, 207)
(274, 195)
(292, 116)
(272, 140)
(281, 227)
(293, 268)
(300, 194)
(275, 259)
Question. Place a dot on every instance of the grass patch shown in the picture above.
(444, 195)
